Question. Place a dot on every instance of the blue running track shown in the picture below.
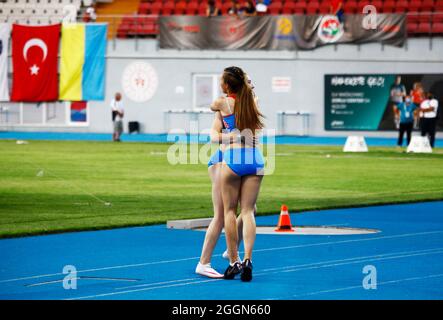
(158, 263)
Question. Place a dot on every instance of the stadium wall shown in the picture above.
(305, 68)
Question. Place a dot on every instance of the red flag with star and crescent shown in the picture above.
(34, 62)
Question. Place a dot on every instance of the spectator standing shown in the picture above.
(249, 9)
(405, 112)
(212, 10)
(398, 91)
(418, 95)
(90, 15)
(261, 7)
(429, 110)
(117, 116)
(234, 8)
(336, 9)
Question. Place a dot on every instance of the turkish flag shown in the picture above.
(34, 62)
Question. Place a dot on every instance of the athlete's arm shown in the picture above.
(216, 105)
(216, 131)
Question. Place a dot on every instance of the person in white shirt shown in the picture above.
(428, 112)
(117, 116)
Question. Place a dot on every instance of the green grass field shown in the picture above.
(48, 187)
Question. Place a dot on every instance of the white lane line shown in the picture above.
(255, 251)
(157, 283)
(358, 287)
(321, 263)
(257, 275)
(351, 259)
(349, 241)
(351, 262)
(102, 269)
(144, 289)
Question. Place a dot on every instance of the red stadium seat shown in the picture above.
(424, 28)
(378, 4)
(312, 7)
(225, 7)
(202, 9)
(411, 27)
(324, 7)
(437, 28)
(414, 5)
(288, 8)
(427, 5)
(156, 7)
(424, 17)
(437, 17)
(192, 8)
(180, 7)
(400, 10)
(389, 6)
(168, 8)
(144, 8)
(300, 7)
(412, 18)
(275, 8)
(350, 7)
(401, 6)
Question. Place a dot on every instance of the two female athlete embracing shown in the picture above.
(236, 172)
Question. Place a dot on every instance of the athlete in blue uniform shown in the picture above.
(242, 169)
(221, 127)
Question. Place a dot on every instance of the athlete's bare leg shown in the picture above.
(216, 225)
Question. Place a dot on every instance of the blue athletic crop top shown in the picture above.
(229, 120)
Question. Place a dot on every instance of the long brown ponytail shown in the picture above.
(247, 115)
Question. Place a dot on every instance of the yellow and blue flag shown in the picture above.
(82, 66)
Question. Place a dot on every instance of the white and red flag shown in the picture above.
(4, 39)
(34, 62)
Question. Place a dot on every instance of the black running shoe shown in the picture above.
(232, 271)
(246, 271)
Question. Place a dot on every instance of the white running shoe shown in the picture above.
(207, 271)
(225, 255)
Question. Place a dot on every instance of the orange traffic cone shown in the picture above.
(284, 222)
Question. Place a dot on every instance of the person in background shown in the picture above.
(418, 95)
(90, 15)
(405, 112)
(261, 7)
(249, 9)
(234, 8)
(336, 9)
(398, 91)
(117, 116)
(212, 10)
(429, 109)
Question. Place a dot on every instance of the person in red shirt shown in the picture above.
(417, 93)
(336, 8)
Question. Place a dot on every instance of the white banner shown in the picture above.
(4, 42)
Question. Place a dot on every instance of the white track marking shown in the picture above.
(156, 283)
(257, 275)
(255, 251)
(281, 269)
(348, 241)
(359, 287)
(144, 289)
(351, 262)
(352, 259)
(101, 269)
